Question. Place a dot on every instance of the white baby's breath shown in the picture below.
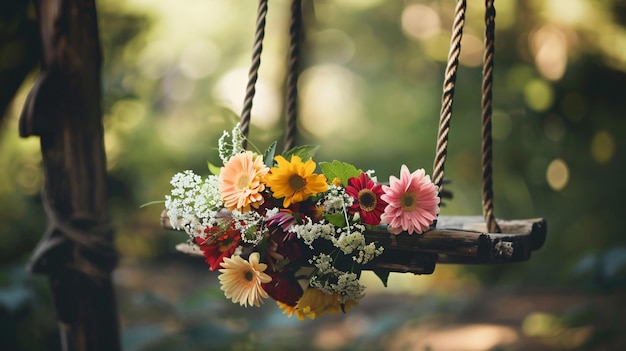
(336, 200)
(193, 203)
(346, 284)
(367, 253)
(348, 287)
(228, 148)
(310, 231)
(323, 263)
(349, 240)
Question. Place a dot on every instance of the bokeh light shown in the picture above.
(231, 90)
(602, 147)
(538, 95)
(330, 102)
(549, 46)
(472, 50)
(420, 22)
(557, 174)
(567, 11)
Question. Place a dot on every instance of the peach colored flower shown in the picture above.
(241, 280)
(242, 181)
(413, 203)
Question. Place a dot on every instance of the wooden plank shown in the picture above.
(456, 240)
(464, 239)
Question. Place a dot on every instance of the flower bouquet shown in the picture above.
(286, 227)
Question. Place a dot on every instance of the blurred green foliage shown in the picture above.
(174, 72)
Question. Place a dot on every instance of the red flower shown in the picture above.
(218, 244)
(367, 201)
(282, 243)
(284, 287)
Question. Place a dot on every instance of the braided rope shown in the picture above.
(295, 35)
(253, 75)
(448, 94)
(487, 84)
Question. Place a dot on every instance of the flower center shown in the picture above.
(225, 243)
(248, 276)
(408, 202)
(367, 200)
(243, 181)
(296, 182)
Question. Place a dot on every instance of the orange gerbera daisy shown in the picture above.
(241, 181)
(295, 180)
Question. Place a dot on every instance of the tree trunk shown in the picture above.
(63, 109)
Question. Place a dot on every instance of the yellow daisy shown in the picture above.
(241, 181)
(241, 280)
(288, 309)
(315, 303)
(295, 180)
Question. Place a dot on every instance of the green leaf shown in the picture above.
(337, 219)
(262, 249)
(214, 169)
(268, 157)
(152, 203)
(305, 152)
(383, 274)
(341, 170)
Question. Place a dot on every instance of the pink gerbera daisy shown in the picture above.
(367, 199)
(413, 203)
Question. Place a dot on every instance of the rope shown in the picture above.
(448, 94)
(244, 123)
(295, 34)
(488, 63)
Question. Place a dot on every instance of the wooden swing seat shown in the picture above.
(452, 239)
(455, 240)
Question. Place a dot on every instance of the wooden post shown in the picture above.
(63, 109)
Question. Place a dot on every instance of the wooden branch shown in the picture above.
(457, 239)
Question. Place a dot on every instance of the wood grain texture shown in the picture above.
(63, 109)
